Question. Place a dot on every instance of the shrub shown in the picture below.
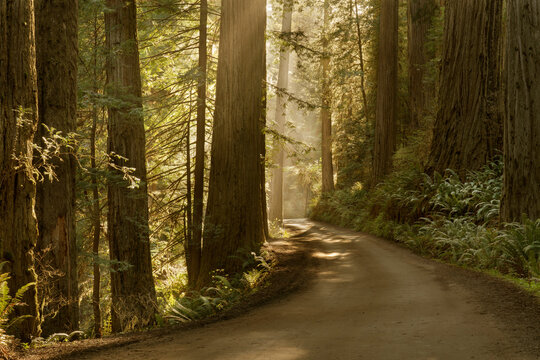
(477, 197)
(7, 306)
(224, 292)
(520, 248)
(441, 216)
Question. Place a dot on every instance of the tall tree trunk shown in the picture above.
(276, 199)
(193, 253)
(96, 229)
(354, 7)
(262, 165)
(18, 121)
(133, 291)
(262, 152)
(96, 208)
(521, 191)
(326, 111)
(420, 17)
(235, 222)
(56, 45)
(188, 218)
(386, 111)
(468, 128)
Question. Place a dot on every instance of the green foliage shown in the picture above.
(8, 304)
(198, 305)
(397, 200)
(478, 196)
(340, 208)
(53, 146)
(209, 301)
(441, 216)
(520, 248)
(222, 295)
(457, 240)
(58, 337)
(513, 250)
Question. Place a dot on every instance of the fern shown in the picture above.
(222, 295)
(443, 216)
(8, 304)
(520, 244)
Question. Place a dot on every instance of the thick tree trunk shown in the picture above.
(386, 111)
(18, 121)
(326, 109)
(420, 17)
(468, 128)
(276, 200)
(56, 45)
(521, 192)
(193, 253)
(133, 291)
(235, 223)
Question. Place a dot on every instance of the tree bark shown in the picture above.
(262, 152)
(96, 208)
(56, 45)
(188, 218)
(276, 201)
(235, 220)
(193, 253)
(326, 109)
(468, 128)
(386, 111)
(96, 229)
(521, 191)
(133, 291)
(18, 121)
(420, 16)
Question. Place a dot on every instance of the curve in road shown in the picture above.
(370, 300)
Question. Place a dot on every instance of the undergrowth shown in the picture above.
(224, 293)
(442, 216)
(8, 304)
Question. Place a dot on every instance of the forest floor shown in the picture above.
(293, 271)
(369, 299)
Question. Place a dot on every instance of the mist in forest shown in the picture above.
(301, 138)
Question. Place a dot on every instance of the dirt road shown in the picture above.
(370, 300)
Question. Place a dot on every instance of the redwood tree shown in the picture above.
(326, 111)
(276, 200)
(132, 284)
(361, 44)
(18, 121)
(235, 220)
(521, 192)
(420, 17)
(194, 247)
(386, 111)
(468, 128)
(56, 44)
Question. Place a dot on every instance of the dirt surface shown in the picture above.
(293, 272)
(369, 299)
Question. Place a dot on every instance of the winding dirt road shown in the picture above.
(370, 300)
